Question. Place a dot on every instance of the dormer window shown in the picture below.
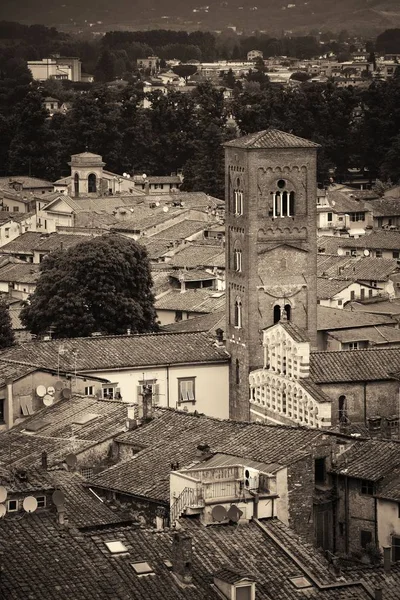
(234, 586)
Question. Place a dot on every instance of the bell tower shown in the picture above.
(271, 248)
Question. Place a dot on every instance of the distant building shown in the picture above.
(254, 54)
(56, 67)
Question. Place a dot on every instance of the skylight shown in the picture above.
(116, 547)
(300, 582)
(142, 568)
(35, 425)
(84, 418)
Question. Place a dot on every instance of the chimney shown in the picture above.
(147, 187)
(44, 460)
(203, 449)
(374, 425)
(128, 332)
(378, 594)
(387, 559)
(219, 334)
(182, 556)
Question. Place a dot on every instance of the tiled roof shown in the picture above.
(198, 300)
(328, 288)
(164, 179)
(196, 255)
(19, 273)
(13, 372)
(329, 244)
(21, 449)
(380, 308)
(355, 365)
(174, 436)
(32, 240)
(386, 207)
(181, 230)
(82, 508)
(155, 248)
(377, 239)
(328, 264)
(375, 335)
(123, 351)
(35, 480)
(370, 459)
(271, 138)
(357, 268)
(27, 182)
(192, 275)
(297, 334)
(209, 322)
(336, 318)
(342, 203)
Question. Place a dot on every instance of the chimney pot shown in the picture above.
(378, 594)
(182, 556)
(387, 559)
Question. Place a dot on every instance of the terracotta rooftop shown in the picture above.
(27, 182)
(19, 273)
(328, 288)
(13, 371)
(377, 239)
(379, 334)
(386, 207)
(32, 240)
(329, 244)
(200, 300)
(196, 255)
(271, 138)
(209, 322)
(337, 318)
(357, 268)
(181, 230)
(118, 351)
(371, 459)
(355, 365)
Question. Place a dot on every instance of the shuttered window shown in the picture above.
(186, 391)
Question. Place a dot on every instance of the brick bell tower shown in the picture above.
(271, 248)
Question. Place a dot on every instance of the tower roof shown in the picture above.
(271, 138)
(86, 159)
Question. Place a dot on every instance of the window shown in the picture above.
(362, 293)
(330, 217)
(116, 547)
(395, 548)
(108, 392)
(319, 470)
(186, 390)
(282, 204)
(92, 184)
(288, 310)
(340, 302)
(342, 414)
(142, 568)
(87, 472)
(238, 202)
(89, 390)
(370, 292)
(7, 232)
(365, 538)
(353, 345)
(12, 506)
(243, 592)
(352, 295)
(396, 254)
(151, 388)
(238, 313)
(367, 487)
(277, 313)
(238, 260)
(41, 501)
(178, 316)
(237, 371)
(358, 216)
(76, 184)
(15, 208)
(378, 253)
(1, 410)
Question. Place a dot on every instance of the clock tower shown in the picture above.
(271, 248)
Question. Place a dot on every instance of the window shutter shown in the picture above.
(190, 390)
(138, 393)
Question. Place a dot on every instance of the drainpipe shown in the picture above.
(167, 390)
(365, 403)
(9, 405)
(346, 497)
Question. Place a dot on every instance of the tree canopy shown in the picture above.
(6, 332)
(102, 285)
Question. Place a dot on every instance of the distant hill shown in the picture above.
(273, 16)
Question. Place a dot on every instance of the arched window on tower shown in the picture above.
(238, 198)
(76, 184)
(238, 312)
(92, 183)
(288, 310)
(277, 313)
(237, 259)
(282, 201)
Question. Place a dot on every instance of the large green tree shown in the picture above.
(102, 285)
(6, 332)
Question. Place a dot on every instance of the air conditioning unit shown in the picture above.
(251, 478)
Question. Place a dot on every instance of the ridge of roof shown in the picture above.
(271, 138)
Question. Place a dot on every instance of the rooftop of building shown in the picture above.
(377, 239)
(378, 335)
(271, 138)
(383, 307)
(375, 364)
(28, 242)
(328, 287)
(370, 459)
(364, 268)
(26, 181)
(182, 230)
(19, 273)
(118, 351)
(200, 300)
(207, 322)
(385, 207)
(337, 318)
(199, 255)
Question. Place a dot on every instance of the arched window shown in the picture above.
(238, 260)
(92, 184)
(237, 370)
(238, 313)
(288, 310)
(277, 313)
(76, 184)
(282, 201)
(238, 198)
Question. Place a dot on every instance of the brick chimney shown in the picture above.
(44, 460)
(182, 556)
(374, 425)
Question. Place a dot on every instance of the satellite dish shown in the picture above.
(124, 174)
(58, 498)
(128, 176)
(59, 386)
(165, 209)
(219, 513)
(71, 460)
(366, 252)
(41, 390)
(144, 176)
(3, 494)
(51, 390)
(157, 203)
(234, 513)
(340, 251)
(29, 504)
(48, 400)
(66, 393)
(3, 511)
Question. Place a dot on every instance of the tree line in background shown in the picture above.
(356, 128)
